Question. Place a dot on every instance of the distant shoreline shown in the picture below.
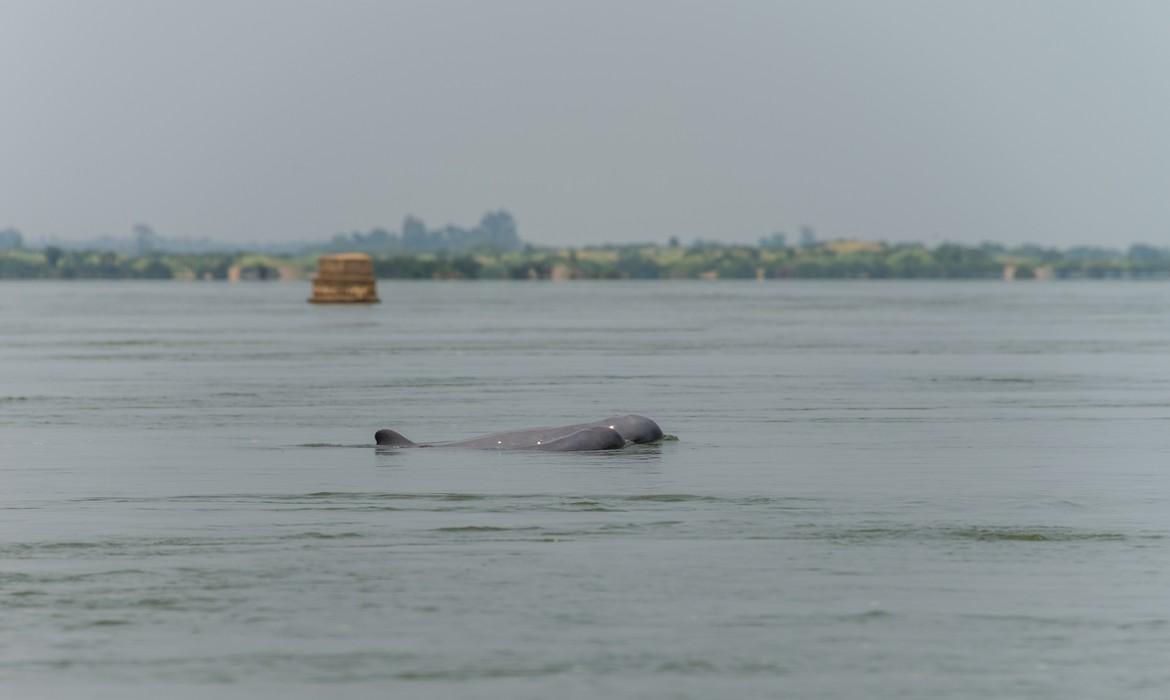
(609, 280)
(831, 260)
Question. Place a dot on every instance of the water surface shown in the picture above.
(879, 490)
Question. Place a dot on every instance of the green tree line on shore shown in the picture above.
(810, 260)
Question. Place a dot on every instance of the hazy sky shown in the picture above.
(591, 121)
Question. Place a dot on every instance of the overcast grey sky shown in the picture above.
(262, 120)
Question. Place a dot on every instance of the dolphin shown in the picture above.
(606, 434)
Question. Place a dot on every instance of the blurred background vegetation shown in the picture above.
(492, 249)
(830, 260)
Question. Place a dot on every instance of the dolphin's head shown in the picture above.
(391, 438)
(638, 429)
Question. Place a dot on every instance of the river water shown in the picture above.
(879, 490)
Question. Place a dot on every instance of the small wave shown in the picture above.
(366, 496)
(539, 501)
(106, 623)
(106, 548)
(64, 545)
(969, 533)
(118, 343)
(314, 535)
(609, 527)
(687, 666)
(612, 529)
(865, 616)
(586, 504)
(1036, 620)
(482, 528)
(671, 498)
(700, 666)
(22, 399)
(1001, 380)
(985, 534)
(1156, 623)
(17, 577)
(484, 672)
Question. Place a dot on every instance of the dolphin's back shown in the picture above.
(594, 438)
(520, 439)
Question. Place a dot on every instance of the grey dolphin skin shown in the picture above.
(606, 434)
